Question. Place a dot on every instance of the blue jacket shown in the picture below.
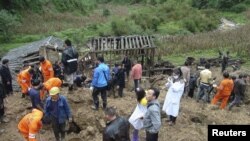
(63, 109)
(98, 78)
(35, 97)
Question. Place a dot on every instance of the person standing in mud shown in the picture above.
(175, 91)
(2, 97)
(58, 111)
(185, 70)
(69, 61)
(223, 91)
(6, 77)
(46, 68)
(224, 62)
(127, 65)
(152, 118)
(136, 74)
(30, 125)
(140, 110)
(238, 89)
(24, 80)
(120, 80)
(99, 83)
(117, 128)
(205, 80)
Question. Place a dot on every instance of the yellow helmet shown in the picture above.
(54, 91)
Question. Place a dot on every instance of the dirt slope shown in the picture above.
(191, 123)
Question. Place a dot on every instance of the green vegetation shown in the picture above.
(7, 22)
(81, 19)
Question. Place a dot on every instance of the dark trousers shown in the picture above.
(120, 91)
(136, 83)
(204, 88)
(151, 136)
(172, 118)
(8, 88)
(58, 129)
(223, 67)
(236, 101)
(95, 94)
(191, 93)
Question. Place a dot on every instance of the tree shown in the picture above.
(7, 24)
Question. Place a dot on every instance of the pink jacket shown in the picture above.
(136, 72)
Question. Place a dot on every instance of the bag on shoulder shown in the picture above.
(109, 82)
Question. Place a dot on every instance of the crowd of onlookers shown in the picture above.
(43, 85)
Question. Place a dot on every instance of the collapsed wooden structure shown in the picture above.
(140, 48)
(29, 55)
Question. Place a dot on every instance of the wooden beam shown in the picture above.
(152, 41)
(141, 41)
(106, 44)
(98, 45)
(126, 43)
(137, 42)
(122, 43)
(114, 43)
(131, 49)
(148, 40)
(134, 43)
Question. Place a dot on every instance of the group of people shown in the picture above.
(49, 106)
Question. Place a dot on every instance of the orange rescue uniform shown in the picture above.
(52, 82)
(223, 92)
(30, 125)
(47, 70)
(24, 80)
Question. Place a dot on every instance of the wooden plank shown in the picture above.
(137, 42)
(145, 41)
(152, 41)
(98, 45)
(31, 58)
(148, 40)
(126, 43)
(133, 43)
(122, 43)
(141, 41)
(131, 49)
(114, 43)
(102, 45)
(106, 44)
(130, 42)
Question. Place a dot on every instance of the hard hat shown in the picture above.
(54, 91)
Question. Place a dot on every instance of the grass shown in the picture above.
(179, 59)
(4, 48)
(237, 18)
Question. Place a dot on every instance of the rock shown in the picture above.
(2, 131)
(76, 98)
(102, 123)
(90, 130)
(83, 134)
(5, 120)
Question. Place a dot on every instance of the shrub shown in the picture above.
(105, 12)
(239, 8)
(7, 23)
(124, 27)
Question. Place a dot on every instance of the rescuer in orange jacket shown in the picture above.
(24, 80)
(30, 125)
(46, 68)
(52, 82)
(223, 91)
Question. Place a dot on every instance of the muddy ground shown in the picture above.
(191, 123)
